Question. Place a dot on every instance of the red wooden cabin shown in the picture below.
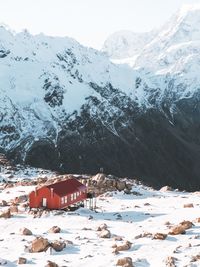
(58, 195)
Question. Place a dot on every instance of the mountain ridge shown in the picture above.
(69, 108)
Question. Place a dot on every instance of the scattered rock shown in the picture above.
(170, 261)
(165, 188)
(39, 244)
(121, 185)
(198, 220)
(58, 245)
(51, 264)
(177, 230)
(3, 203)
(13, 209)
(180, 228)
(160, 236)
(5, 214)
(195, 258)
(102, 227)
(99, 178)
(117, 238)
(86, 229)
(126, 261)
(146, 234)
(105, 234)
(187, 224)
(21, 199)
(189, 205)
(25, 231)
(54, 229)
(126, 246)
(22, 260)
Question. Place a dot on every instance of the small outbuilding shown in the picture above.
(58, 195)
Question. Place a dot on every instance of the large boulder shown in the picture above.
(39, 244)
(99, 178)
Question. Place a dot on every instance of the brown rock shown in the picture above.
(22, 260)
(99, 178)
(126, 246)
(189, 205)
(58, 245)
(117, 238)
(195, 258)
(25, 231)
(3, 203)
(129, 186)
(160, 236)
(127, 261)
(51, 264)
(5, 214)
(177, 230)
(198, 220)
(13, 209)
(187, 224)
(101, 227)
(54, 229)
(39, 244)
(21, 199)
(180, 228)
(121, 185)
(170, 262)
(105, 234)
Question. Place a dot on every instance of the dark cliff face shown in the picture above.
(155, 146)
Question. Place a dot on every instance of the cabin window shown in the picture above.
(72, 197)
(62, 200)
(66, 199)
(77, 194)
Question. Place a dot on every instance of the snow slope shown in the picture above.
(43, 79)
(127, 216)
(126, 44)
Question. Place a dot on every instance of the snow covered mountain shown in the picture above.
(68, 107)
(126, 44)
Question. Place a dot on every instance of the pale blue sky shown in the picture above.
(88, 21)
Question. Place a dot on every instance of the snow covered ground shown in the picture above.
(135, 217)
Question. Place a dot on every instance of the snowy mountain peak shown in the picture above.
(189, 8)
(125, 44)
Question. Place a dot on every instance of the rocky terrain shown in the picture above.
(131, 225)
(68, 108)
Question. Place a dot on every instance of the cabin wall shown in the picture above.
(36, 199)
(82, 195)
(54, 201)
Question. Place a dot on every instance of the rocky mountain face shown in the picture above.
(69, 108)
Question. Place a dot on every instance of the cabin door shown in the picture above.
(44, 202)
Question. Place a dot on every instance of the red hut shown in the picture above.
(58, 195)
